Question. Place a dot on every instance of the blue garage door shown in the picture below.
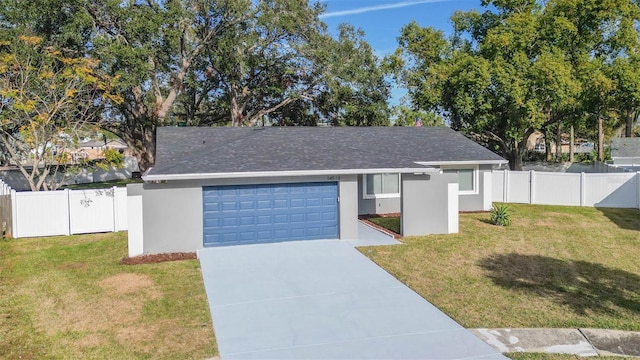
(251, 214)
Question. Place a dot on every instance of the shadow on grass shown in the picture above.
(487, 221)
(624, 218)
(581, 285)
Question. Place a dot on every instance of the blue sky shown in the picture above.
(382, 19)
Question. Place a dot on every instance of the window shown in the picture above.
(467, 179)
(381, 186)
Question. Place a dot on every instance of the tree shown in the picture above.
(152, 45)
(265, 61)
(200, 62)
(403, 115)
(604, 42)
(265, 69)
(525, 66)
(44, 96)
(355, 91)
(626, 74)
(482, 80)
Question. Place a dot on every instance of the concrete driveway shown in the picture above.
(323, 299)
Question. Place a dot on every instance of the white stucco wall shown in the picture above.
(428, 204)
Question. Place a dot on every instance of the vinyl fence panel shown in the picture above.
(556, 188)
(91, 211)
(518, 187)
(498, 185)
(611, 190)
(42, 213)
(64, 212)
(616, 190)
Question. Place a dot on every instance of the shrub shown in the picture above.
(501, 215)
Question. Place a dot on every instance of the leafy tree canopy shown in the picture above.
(523, 66)
(45, 96)
(203, 62)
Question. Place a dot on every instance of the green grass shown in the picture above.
(553, 267)
(68, 297)
(102, 185)
(391, 223)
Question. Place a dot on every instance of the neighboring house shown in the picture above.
(94, 149)
(91, 149)
(120, 146)
(536, 143)
(625, 151)
(226, 186)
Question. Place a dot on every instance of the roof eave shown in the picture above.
(463, 162)
(256, 174)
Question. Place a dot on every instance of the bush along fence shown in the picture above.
(65, 212)
(614, 190)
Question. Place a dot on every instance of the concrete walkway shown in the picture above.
(370, 236)
(581, 342)
(323, 299)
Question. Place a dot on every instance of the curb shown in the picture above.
(579, 341)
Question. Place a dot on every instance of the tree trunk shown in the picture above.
(515, 160)
(628, 128)
(600, 138)
(559, 142)
(147, 157)
(547, 146)
(140, 136)
(237, 116)
(571, 144)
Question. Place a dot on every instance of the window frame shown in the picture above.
(475, 182)
(366, 195)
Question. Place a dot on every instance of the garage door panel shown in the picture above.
(297, 203)
(248, 214)
(247, 220)
(329, 216)
(280, 204)
(297, 218)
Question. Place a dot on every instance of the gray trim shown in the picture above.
(454, 163)
(240, 175)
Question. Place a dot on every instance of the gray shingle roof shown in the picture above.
(625, 147)
(215, 150)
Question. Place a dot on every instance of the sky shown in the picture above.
(382, 20)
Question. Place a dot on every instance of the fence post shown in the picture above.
(638, 187)
(67, 193)
(532, 186)
(582, 189)
(505, 187)
(114, 213)
(14, 215)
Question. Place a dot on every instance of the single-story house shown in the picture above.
(120, 146)
(625, 151)
(219, 186)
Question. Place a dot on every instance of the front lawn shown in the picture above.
(68, 297)
(553, 267)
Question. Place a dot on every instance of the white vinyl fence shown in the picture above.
(66, 212)
(615, 190)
